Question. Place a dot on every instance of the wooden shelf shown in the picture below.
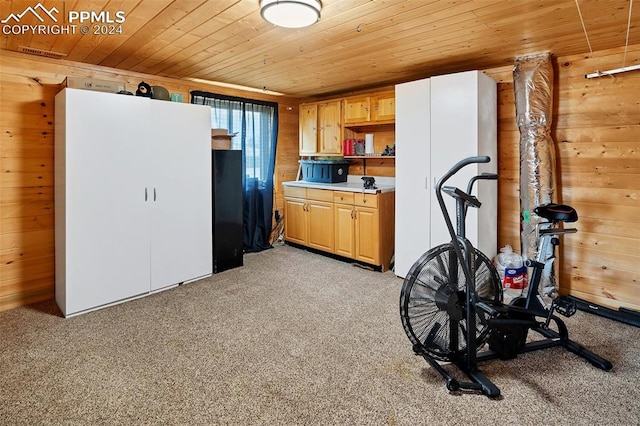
(369, 126)
(364, 159)
(367, 157)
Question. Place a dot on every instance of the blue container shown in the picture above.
(325, 171)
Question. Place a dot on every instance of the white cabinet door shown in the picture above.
(102, 232)
(460, 128)
(413, 187)
(440, 121)
(180, 182)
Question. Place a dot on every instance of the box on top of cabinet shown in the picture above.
(221, 139)
(93, 84)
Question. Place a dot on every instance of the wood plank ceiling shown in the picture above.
(357, 44)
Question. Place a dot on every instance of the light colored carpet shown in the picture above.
(290, 338)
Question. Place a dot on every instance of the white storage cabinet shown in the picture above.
(440, 121)
(132, 197)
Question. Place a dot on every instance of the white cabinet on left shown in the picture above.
(132, 197)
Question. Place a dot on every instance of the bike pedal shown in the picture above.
(565, 306)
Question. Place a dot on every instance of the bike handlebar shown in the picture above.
(481, 176)
(459, 165)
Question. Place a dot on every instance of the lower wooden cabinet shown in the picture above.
(307, 221)
(367, 231)
(345, 231)
(295, 220)
(354, 225)
(320, 225)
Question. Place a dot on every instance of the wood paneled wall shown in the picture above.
(596, 129)
(28, 86)
(596, 126)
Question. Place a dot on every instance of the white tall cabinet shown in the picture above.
(132, 197)
(440, 121)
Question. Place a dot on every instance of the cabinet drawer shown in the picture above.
(320, 194)
(294, 191)
(366, 200)
(342, 197)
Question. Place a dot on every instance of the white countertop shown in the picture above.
(353, 184)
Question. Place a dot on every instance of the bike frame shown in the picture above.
(464, 251)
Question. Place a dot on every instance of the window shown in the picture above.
(255, 125)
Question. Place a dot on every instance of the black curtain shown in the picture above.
(255, 124)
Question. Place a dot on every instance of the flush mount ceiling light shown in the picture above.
(291, 13)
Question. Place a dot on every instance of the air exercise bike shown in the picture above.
(451, 303)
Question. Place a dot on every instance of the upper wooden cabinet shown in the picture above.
(384, 107)
(308, 129)
(321, 128)
(374, 108)
(357, 109)
(330, 123)
(324, 124)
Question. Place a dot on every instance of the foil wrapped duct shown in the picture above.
(533, 86)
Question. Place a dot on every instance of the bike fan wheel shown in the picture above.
(433, 301)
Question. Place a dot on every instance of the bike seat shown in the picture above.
(557, 212)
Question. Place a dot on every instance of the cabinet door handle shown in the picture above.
(146, 195)
(154, 194)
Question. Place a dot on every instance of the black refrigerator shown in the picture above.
(228, 204)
